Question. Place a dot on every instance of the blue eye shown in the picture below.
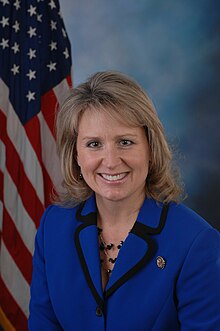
(93, 144)
(126, 142)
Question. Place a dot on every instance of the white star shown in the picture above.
(64, 33)
(32, 74)
(30, 96)
(32, 32)
(52, 66)
(60, 14)
(15, 69)
(15, 48)
(4, 43)
(53, 25)
(17, 4)
(66, 53)
(53, 45)
(5, 2)
(39, 18)
(4, 21)
(32, 10)
(31, 53)
(16, 26)
(52, 4)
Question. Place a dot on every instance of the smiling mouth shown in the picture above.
(113, 178)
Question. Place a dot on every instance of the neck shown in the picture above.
(120, 213)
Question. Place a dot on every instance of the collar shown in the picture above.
(137, 250)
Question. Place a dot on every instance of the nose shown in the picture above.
(111, 157)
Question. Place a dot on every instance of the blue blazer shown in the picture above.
(180, 291)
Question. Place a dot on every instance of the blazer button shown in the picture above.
(98, 312)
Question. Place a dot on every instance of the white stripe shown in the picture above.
(14, 280)
(61, 91)
(49, 154)
(18, 213)
(21, 143)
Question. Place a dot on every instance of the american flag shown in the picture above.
(35, 70)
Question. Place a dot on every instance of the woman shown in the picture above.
(120, 252)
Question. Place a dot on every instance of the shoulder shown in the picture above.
(186, 227)
(194, 253)
(58, 217)
(186, 218)
(57, 211)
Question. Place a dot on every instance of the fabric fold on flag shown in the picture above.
(35, 76)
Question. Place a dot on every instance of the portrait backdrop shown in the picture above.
(172, 49)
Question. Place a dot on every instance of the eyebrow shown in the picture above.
(119, 136)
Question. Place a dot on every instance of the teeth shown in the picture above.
(113, 177)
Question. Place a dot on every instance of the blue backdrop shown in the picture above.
(172, 48)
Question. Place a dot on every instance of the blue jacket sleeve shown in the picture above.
(42, 316)
(198, 290)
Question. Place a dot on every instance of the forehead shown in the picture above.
(109, 116)
(101, 124)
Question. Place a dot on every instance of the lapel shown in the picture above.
(138, 248)
(86, 241)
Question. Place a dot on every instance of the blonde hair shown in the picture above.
(120, 97)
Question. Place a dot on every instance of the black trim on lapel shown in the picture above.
(148, 255)
(90, 219)
(157, 230)
(139, 229)
(142, 231)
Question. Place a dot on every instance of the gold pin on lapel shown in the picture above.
(161, 262)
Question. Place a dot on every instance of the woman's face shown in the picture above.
(114, 157)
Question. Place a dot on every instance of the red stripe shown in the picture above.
(32, 129)
(15, 167)
(48, 107)
(69, 81)
(16, 247)
(11, 309)
(48, 187)
(33, 132)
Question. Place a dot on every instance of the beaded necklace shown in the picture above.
(106, 253)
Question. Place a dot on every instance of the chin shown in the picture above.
(113, 197)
